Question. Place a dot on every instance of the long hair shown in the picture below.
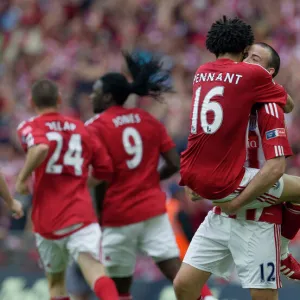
(149, 79)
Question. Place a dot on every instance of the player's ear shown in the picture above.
(271, 71)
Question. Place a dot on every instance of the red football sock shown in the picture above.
(105, 289)
(290, 220)
(205, 291)
(60, 298)
(125, 297)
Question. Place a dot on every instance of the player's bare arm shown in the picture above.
(172, 164)
(270, 173)
(34, 158)
(93, 182)
(100, 191)
(289, 105)
(14, 205)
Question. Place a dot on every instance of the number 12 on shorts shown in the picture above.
(267, 272)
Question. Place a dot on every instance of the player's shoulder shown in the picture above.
(30, 123)
(256, 70)
(270, 110)
(92, 121)
(145, 117)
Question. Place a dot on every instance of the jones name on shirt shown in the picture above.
(126, 119)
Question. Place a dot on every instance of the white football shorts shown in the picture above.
(120, 245)
(55, 254)
(221, 243)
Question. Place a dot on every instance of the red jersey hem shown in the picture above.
(52, 236)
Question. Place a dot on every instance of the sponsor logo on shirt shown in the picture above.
(278, 132)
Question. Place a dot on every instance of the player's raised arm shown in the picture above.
(276, 148)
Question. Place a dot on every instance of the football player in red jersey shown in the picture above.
(59, 152)
(266, 56)
(224, 93)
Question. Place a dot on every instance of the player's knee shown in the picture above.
(264, 294)
(181, 286)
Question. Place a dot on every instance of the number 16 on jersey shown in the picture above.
(206, 106)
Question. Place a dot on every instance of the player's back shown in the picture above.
(223, 95)
(61, 197)
(134, 140)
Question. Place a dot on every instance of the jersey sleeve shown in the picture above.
(166, 143)
(271, 126)
(266, 90)
(30, 136)
(101, 161)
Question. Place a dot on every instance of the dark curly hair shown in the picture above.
(229, 36)
(149, 79)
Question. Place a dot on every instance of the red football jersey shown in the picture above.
(224, 92)
(60, 196)
(134, 139)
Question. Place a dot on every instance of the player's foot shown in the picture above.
(290, 268)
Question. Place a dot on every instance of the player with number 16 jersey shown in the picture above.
(213, 164)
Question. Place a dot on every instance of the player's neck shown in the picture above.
(234, 57)
(43, 111)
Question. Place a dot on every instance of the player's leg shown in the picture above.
(286, 189)
(261, 294)
(200, 261)
(84, 247)
(54, 258)
(189, 282)
(158, 241)
(290, 224)
(119, 248)
(255, 247)
(77, 287)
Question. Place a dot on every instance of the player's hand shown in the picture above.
(17, 209)
(191, 194)
(22, 188)
(227, 207)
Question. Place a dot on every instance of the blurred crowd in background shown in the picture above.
(73, 42)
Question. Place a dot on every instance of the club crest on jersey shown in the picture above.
(278, 132)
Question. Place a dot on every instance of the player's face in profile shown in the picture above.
(97, 97)
(257, 54)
